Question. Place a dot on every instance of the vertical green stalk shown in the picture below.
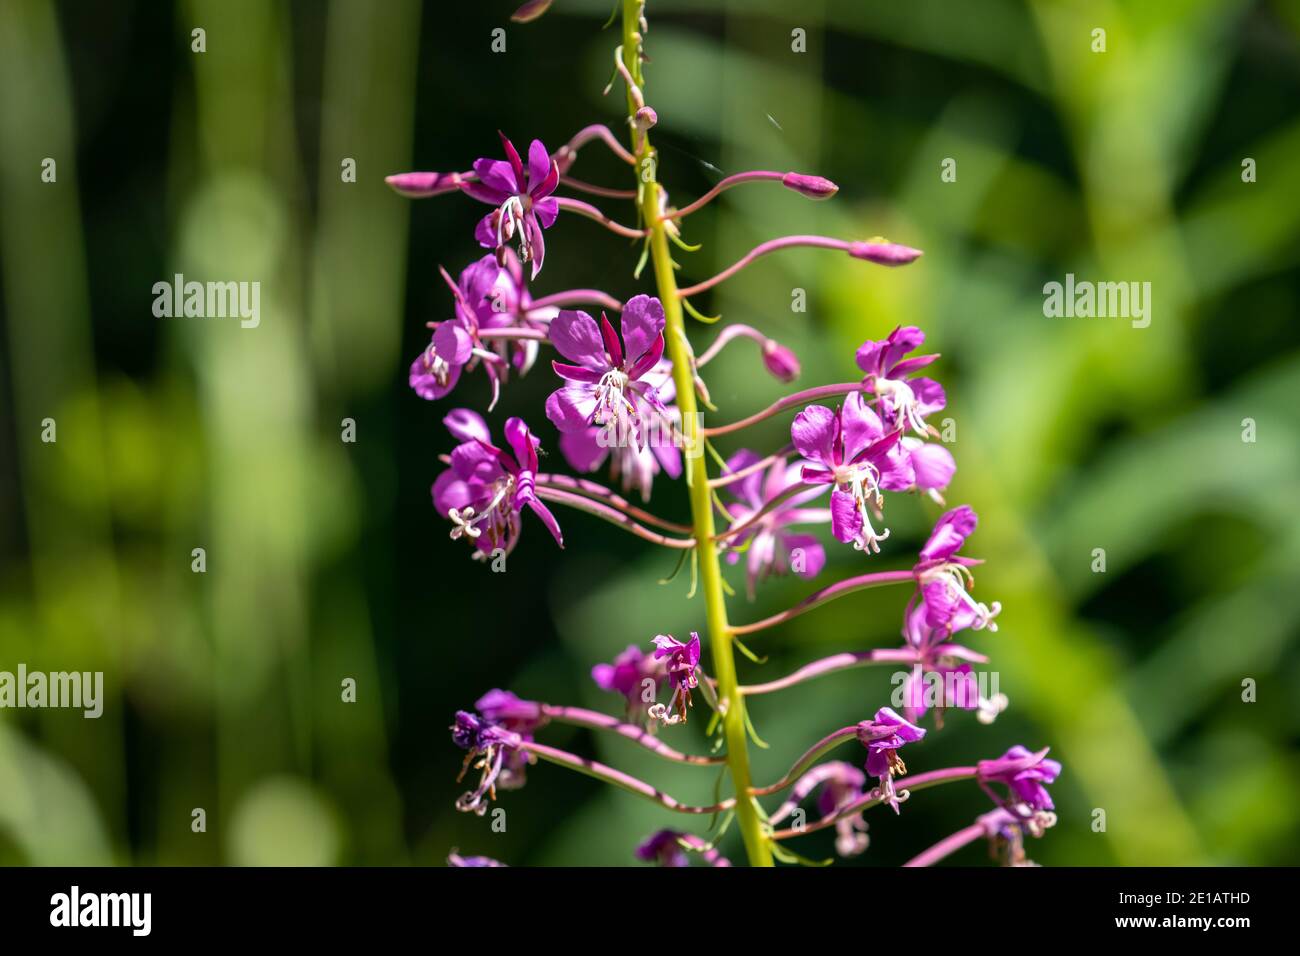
(679, 350)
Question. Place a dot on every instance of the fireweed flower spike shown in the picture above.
(607, 382)
(637, 676)
(772, 548)
(883, 737)
(491, 749)
(630, 398)
(486, 488)
(681, 662)
(852, 451)
(523, 201)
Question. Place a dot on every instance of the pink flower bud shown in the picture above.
(646, 118)
(883, 253)
(780, 361)
(530, 11)
(814, 187)
(423, 185)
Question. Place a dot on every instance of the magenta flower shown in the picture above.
(472, 862)
(944, 577)
(634, 466)
(486, 488)
(522, 197)
(608, 383)
(634, 674)
(503, 708)
(884, 736)
(668, 848)
(493, 750)
(841, 784)
(772, 548)
(487, 297)
(904, 401)
(680, 662)
(853, 452)
(1025, 774)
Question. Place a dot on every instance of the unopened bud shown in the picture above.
(423, 185)
(814, 187)
(646, 118)
(780, 361)
(883, 252)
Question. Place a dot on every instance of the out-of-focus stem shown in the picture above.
(595, 215)
(829, 665)
(790, 401)
(612, 515)
(594, 768)
(813, 754)
(948, 845)
(920, 781)
(581, 717)
(593, 489)
(577, 297)
(830, 593)
(720, 639)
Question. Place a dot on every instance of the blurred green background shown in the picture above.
(325, 560)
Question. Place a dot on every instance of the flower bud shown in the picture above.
(646, 118)
(814, 187)
(530, 11)
(883, 252)
(780, 361)
(423, 185)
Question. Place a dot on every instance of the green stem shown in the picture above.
(697, 476)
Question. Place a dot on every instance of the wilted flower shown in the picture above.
(668, 848)
(608, 385)
(884, 736)
(498, 755)
(485, 489)
(523, 201)
(680, 661)
(772, 547)
(1025, 774)
(634, 674)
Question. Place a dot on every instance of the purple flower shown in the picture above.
(495, 751)
(904, 401)
(680, 662)
(486, 488)
(663, 848)
(608, 383)
(530, 11)
(841, 784)
(455, 859)
(1025, 774)
(628, 675)
(780, 361)
(853, 452)
(884, 736)
(635, 466)
(944, 578)
(487, 296)
(669, 848)
(522, 196)
(772, 548)
(503, 708)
